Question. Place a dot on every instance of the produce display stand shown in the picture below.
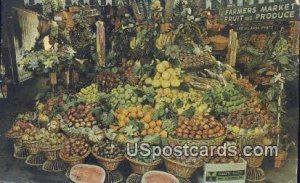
(139, 169)
(20, 152)
(53, 163)
(110, 166)
(36, 157)
(73, 161)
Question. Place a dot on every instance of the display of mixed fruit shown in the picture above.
(125, 96)
(75, 147)
(89, 94)
(108, 81)
(166, 76)
(51, 140)
(199, 127)
(80, 116)
(245, 122)
(19, 128)
(109, 149)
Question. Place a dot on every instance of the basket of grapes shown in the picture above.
(142, 164)
(109, 154)
(198, 130)
(182, 166)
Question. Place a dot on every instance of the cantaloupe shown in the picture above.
(158, 177)
(84, 173)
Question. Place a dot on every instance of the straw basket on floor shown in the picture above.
(109, 164)
(179, 169)
(203, 142)
(20, 152)
(254, 161)
(75, 160)
(140, 167)
(255, 175)
(53, 163)
(35, 158)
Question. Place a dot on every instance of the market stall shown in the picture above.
(160, 74)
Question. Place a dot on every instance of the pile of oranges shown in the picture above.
(143, 114)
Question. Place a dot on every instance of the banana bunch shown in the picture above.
(163, 40)
(136, 42)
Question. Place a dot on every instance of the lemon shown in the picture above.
(156, 83)
(148, 81)
(160, 67)
(166, 75)
(120, 137)
(175, 83)
(167, 91)
(160, 91)
(163, 134)
(166, 64)
(157, 76)
(174, 92)
(165, 84)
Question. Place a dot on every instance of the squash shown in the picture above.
(84, 173)
(158, 177)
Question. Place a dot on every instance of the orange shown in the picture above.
(126, 120)
(158, 123)
(121, 123)
(121, 117)
(134, 109)
(146, 126)
(157, 129)
(147, 118)
(152, 124)
(132, 114)
(163, 134)
(140, 114)
(150, 131)
(125, 112)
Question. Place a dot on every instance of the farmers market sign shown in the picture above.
(261, 12)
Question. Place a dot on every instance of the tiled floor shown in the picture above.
(16, 171)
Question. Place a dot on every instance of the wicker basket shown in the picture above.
(254, 161)
(219, 43)
(203, 142)
(32, 147)
(74, 161)
(220, 46)
(180, 169)
(255, 175)
(51, 153)
(109, 164)
(140, 167)
(245, 140)
(20, 152)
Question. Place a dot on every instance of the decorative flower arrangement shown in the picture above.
(46, 61)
